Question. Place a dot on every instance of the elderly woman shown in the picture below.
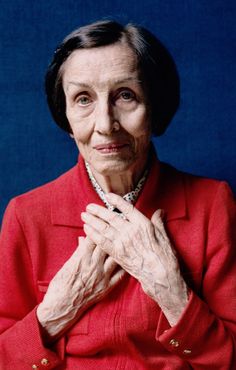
(122, 262)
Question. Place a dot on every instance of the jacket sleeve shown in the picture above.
(205, 335)
(21, 344)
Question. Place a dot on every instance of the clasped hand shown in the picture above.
(141, 247)
(113, 246)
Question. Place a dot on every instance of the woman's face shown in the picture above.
(107, 109)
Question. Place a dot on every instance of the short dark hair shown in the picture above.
(156, 66)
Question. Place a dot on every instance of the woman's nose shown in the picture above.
(104, 118)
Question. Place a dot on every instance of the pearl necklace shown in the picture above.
(130, 197)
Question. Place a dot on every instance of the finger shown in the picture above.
(99, 256)
(100, 225)
(98, 238)
(161, 234)
(111, 217)
(85, 245)
(85, 248)
(109, 265)
(157, 221)
(117, 277)
(128, 210)
(80, 239)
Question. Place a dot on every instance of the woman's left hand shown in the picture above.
(141, 247)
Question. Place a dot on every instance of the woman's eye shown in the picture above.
(126, 95)
(84, 100)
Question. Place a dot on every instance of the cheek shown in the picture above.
(81, 133)
(137, 123)
(81, 128)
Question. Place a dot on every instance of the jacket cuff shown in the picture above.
(23, 347)
(197, 332)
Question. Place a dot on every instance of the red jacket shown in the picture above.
(126, 330)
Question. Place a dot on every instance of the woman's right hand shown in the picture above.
(87, 276)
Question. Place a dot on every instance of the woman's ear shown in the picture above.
(72, 136)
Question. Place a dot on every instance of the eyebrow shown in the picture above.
(117, 82)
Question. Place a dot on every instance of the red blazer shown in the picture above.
(127, 329)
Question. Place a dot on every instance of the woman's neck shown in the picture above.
(120, 183)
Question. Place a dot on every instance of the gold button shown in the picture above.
(44, 362)
(35, 367)
(174, 343)
(187, 351)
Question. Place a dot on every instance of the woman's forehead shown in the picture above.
(115, 62)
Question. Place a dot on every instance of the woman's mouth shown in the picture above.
(111, 148)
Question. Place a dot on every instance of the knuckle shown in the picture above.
(104, 227)
(128, 209)
(102, 241)
(112, 217)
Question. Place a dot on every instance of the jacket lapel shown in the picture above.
(164, 189)
(70, 195)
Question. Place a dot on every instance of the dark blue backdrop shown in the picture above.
(201, 36)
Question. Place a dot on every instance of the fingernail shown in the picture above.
(90, 207)
(80, 239)
(83, 214)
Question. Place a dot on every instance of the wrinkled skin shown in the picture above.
(141, 247)
(106, 104)
(87, 276)
(113, 246)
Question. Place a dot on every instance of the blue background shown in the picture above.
(201, 35)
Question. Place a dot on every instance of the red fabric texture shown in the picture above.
(126, 330)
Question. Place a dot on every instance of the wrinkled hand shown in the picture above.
(141, 247)
(87, 276)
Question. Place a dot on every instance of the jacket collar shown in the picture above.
(164, 188)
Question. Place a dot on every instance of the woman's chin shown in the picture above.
(112, 166)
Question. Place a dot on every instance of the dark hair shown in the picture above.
(156, 65)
